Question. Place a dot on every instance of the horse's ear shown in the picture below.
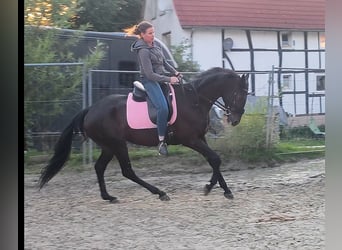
(244, 79)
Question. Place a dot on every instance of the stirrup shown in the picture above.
(162, 148)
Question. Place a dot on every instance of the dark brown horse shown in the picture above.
(106, 124)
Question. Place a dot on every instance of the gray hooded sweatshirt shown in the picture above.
(152, 62)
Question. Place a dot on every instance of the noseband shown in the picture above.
(228, 110)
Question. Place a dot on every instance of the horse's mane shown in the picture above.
(201, 77)
(215, 70)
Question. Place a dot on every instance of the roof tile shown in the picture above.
(269, 14)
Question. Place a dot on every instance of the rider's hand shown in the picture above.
(174, 79)
(179, 75)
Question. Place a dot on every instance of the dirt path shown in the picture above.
(274, 208)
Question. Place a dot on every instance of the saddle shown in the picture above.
(141, 113)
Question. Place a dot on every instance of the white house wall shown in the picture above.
(165, 20)
(293, 59)
(256, 56)
(207, 48)
(263, 39)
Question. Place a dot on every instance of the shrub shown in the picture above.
(248, 139)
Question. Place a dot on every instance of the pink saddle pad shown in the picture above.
(137, 113)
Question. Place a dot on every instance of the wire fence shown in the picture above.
(55, 92)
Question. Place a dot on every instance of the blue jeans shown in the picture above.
(156, 95)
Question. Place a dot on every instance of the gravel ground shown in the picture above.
(274, 208)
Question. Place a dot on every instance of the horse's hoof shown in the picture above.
(113, 200)
(229, 196)
(207, 189)
(164, 197)
(109, 198)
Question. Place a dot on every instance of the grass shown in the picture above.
(300, 144)
(284, 151)
(297, 149)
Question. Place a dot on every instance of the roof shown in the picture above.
(268, 14)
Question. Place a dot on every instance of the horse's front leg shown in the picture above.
(212, 183)
(122, 155)
(214, 160)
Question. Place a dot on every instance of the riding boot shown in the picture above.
(162, 148)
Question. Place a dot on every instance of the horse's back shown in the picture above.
(106, 114)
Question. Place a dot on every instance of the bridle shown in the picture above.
(227, 109)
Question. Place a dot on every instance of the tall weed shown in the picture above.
(248, 139)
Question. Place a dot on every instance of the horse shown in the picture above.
(105, 123)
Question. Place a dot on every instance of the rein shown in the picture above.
(227, 110)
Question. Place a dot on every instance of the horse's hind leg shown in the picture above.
(100, 167)
(122, 155)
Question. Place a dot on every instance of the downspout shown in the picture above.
(319, 50)
(191, 44)
(223, 52)
(306, 71)
(251, 53)
(280, 64)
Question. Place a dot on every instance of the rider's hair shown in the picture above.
(138, 29)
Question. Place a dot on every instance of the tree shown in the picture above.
(49, 13)
(44, 87)
(106, 15)
(184, 59)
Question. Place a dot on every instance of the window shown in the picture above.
(286, 39)
(320, 83)
(287, 79)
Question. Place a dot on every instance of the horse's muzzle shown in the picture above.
(234, 123)
(232, 120)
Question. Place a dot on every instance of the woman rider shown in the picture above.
(153, 67)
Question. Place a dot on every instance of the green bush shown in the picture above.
(247, 141)
(249, 136)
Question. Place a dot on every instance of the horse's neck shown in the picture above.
(210, 91)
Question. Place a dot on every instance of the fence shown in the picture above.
(300, 91)
(297, 91)
(99, 85)
(55, 92)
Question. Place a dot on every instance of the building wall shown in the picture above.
(165, 20)
(254, 51)
(207, 48)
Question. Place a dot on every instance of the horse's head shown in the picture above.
(235, 101)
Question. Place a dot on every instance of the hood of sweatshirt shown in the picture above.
(153, 65)
(139, 44)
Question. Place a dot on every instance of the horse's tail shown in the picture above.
(63, 148)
